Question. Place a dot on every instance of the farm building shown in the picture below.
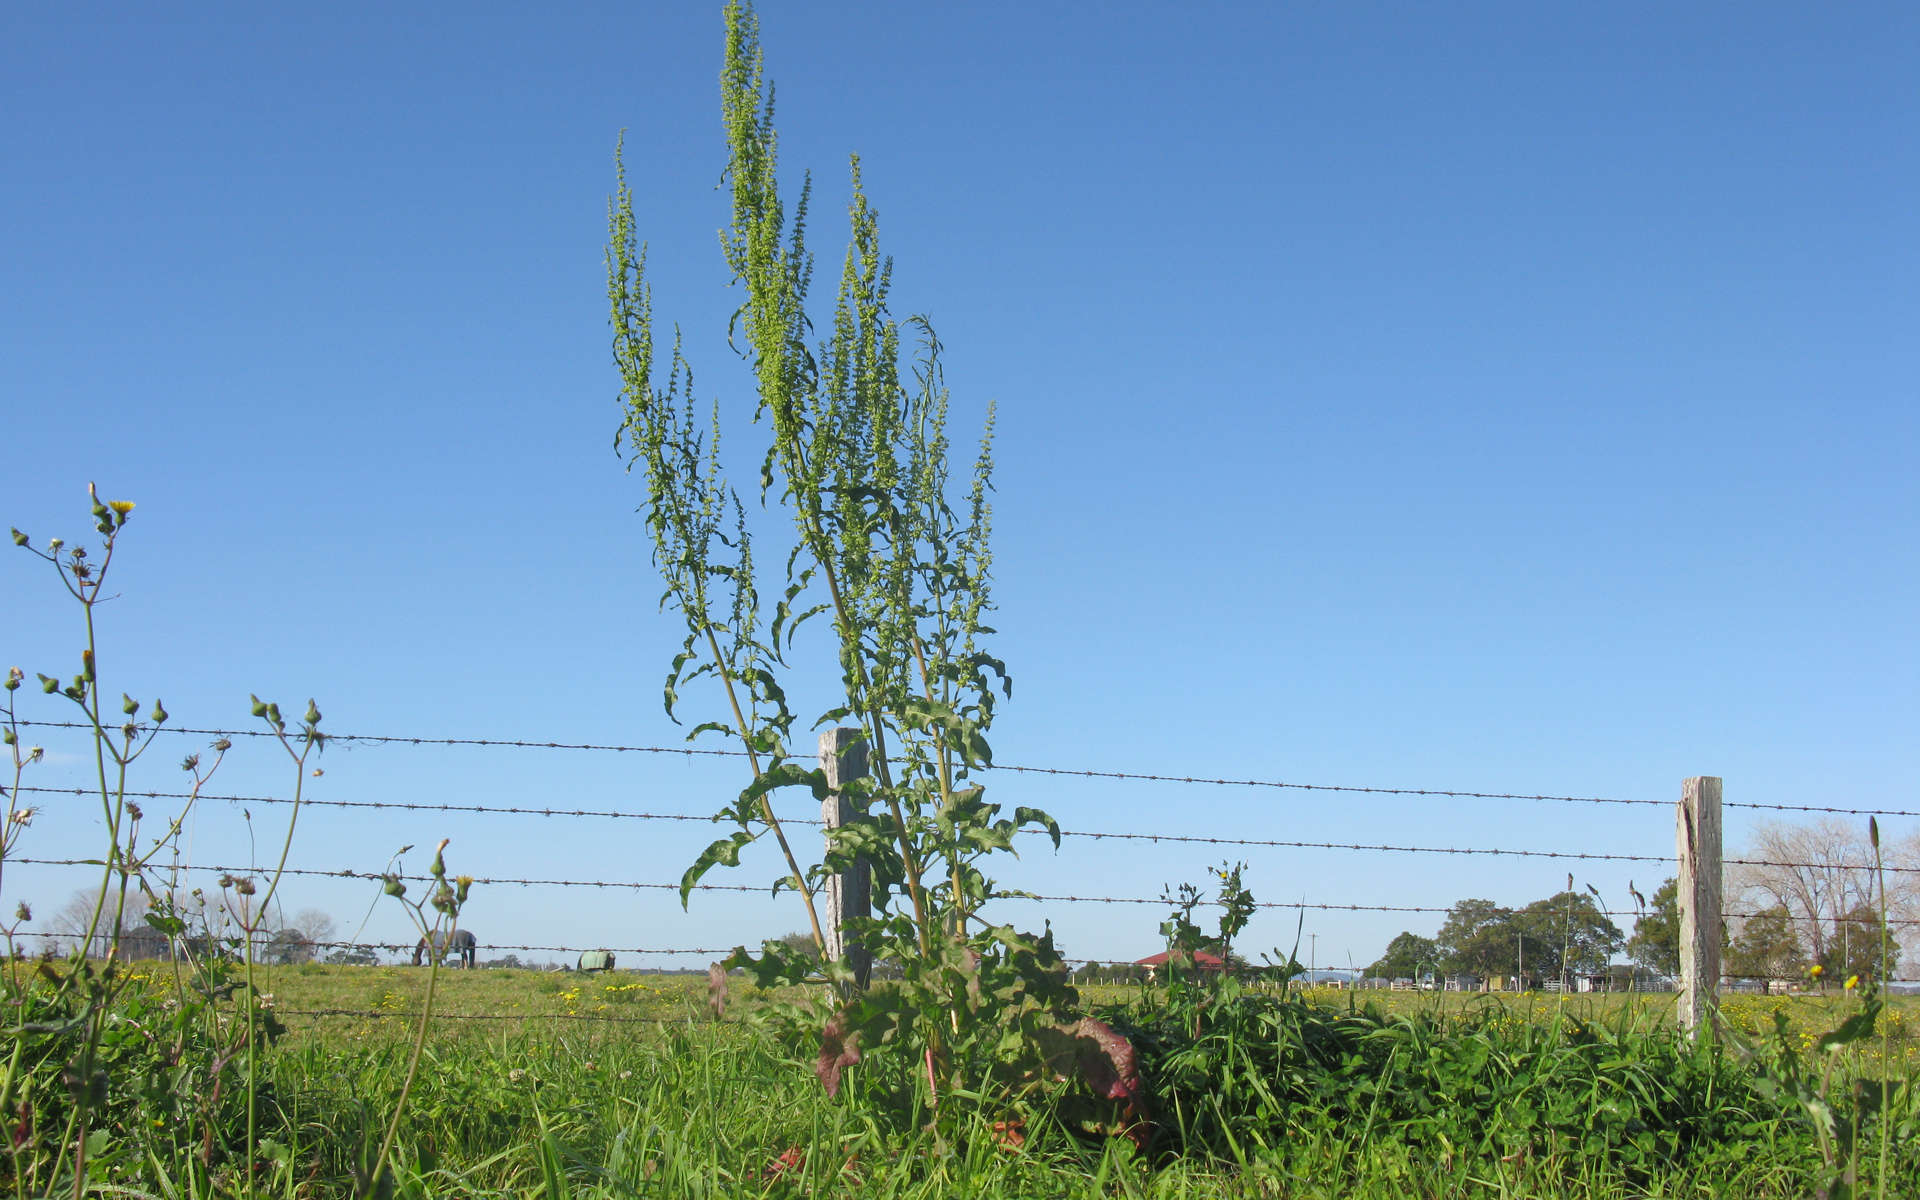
(1201, 961)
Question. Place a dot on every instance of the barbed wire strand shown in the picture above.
(1194, 839)
(692, 751)
(643, 885)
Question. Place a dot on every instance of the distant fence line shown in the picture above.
(1698, 861)
(648, 885)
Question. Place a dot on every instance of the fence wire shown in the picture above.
(647, 885)
(1148, 777)
(1110, 835)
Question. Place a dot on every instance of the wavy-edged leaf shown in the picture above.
(787, 775)
(1024, 816)
(982, 661)
(723, 853)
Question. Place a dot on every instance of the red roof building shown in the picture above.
(1202, 961)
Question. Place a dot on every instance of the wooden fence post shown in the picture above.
(1698, 839)
(843, 756)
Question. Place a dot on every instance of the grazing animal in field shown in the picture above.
(461, 944)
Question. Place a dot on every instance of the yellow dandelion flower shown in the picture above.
(1853, 981)
(123, 507)
(1814, 970)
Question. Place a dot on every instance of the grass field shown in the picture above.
(624, 1084)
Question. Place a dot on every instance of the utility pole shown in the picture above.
(1520, 940)
(1313, 956)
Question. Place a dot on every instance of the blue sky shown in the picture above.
(1491, 399)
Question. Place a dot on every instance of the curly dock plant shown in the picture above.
(894, 554)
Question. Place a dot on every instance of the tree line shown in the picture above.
(1811, 894)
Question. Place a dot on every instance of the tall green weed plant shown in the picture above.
(890, 553)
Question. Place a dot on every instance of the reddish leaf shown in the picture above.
(838, 1049)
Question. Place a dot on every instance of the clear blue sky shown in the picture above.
(1481, 397)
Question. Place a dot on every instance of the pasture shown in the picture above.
(624, 1084)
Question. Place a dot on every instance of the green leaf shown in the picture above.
(1855, 1027)
(723, 853)
(787, 775)
(982, 661)
(1035, 816)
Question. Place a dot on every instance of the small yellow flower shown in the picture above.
(123, 507)
(1814, 970)
(1853, 981)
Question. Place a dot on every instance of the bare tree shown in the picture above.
(315, 925)
(1822, 870)
(72, 920)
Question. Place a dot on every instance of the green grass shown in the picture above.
(1424, 1097)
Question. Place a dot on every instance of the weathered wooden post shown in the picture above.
(843, 756)
(1697, 837)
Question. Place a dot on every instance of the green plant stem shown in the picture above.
(766, 806)
(869, 712)
(413, 1068)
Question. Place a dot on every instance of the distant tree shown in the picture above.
(1478, 937)
(1566, 933)
(1655, 943)
(286, 947)
(354, 956)
(512, 961)
(316, 924)
(73, 918)
(1767, 947)
(799, 943)
(1854, 946)
(1822, 870)
(1404, 955)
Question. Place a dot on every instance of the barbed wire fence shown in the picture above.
(586, 813)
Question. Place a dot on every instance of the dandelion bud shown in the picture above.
(19, 539)
(159, 715)
(86, 665)
(273, 714)
(48, 684)
(244, 885)
(393, 886)
(14, 676)
(24, 912)
(313, 714)
(128, 704)
(133, 810)
(1873, 831)
(190, 763)
(7, 736)
(259, 706)
(35, 753)
(222, 746)
(463, 885)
